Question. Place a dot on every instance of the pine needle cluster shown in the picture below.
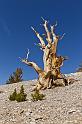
(37, 96)
(15, 77)
(19, 97)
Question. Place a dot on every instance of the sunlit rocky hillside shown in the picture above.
(61, 105)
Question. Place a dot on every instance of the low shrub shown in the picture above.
(19, 97)
(12, 97)
(37, 96)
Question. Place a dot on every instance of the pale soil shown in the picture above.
(61, 105)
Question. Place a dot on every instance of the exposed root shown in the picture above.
(54, 83)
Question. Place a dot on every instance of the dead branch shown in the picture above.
(56, 23)
(32, 64)
(27, 54)
(53, 34)
(39, 37)
(61, 37)
(47, 31)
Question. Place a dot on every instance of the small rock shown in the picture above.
(71, 111)
(22, 112)
(32, 122)
(37, 117)
(27, 113)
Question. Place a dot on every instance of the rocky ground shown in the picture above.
(61, 105)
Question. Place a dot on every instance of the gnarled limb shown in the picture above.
(39, 37)
(32, 64)
(42, 81)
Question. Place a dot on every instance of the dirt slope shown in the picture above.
(62, 105)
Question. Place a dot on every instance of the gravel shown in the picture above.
(61, 105)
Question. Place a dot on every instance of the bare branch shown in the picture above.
(32, 64)
(39, 44)
(44, 20)
(27, 54)
(47, 31)
(39, 37)
(44, 35)
(52, 32)
(56, 23)
(66, 57)
(62, 36)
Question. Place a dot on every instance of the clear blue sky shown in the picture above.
(16, 18)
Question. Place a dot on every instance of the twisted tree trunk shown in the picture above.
(52, 63)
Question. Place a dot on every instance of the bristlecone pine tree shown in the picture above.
(51, 74)
(15, 77)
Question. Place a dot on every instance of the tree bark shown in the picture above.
(52, 62)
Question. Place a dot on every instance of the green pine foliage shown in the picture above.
(22, 90)
(12, 97)
(15, 77)
(37, 96)
(19, 97)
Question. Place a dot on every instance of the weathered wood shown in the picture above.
(51, 74)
